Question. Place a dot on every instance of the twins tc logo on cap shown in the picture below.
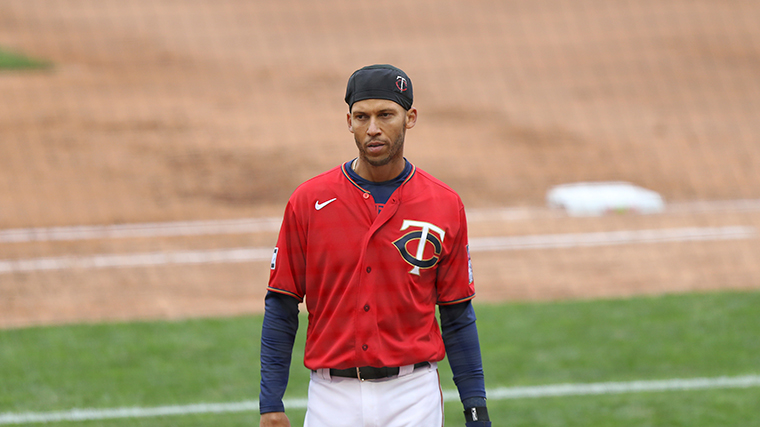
(381, 81)
(401, 83)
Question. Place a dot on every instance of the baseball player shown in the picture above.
(373, 246)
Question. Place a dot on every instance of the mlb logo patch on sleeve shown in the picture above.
(274, 259)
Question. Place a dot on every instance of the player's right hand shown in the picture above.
(274, 419)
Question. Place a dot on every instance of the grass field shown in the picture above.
(14, 61)
(150, 364)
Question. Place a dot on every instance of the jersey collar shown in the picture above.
(345, 167)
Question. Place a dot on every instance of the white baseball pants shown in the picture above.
(413, 399)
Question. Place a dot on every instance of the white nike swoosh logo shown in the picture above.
(319, 206)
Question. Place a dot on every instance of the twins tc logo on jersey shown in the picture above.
(425, 234)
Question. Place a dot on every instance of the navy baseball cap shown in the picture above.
(381, 81)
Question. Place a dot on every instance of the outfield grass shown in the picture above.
(216, 360)
(14, 61)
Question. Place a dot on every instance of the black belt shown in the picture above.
(370, 372)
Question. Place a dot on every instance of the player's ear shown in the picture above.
(348, 122)
(411, 118)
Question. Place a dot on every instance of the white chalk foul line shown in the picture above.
(623, 387)
(501, 393)
(482, 244)
(135, 412)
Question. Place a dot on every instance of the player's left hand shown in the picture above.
(274, 419)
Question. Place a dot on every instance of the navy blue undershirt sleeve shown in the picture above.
(278, 334)
(460, 336)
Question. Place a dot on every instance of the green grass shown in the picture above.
(216, 360)
(15, 61)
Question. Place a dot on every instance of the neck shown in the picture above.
(379, 173)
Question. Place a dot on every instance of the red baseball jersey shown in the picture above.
(371, 280)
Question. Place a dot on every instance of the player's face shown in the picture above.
(379, 127)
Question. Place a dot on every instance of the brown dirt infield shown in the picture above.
(202, 110)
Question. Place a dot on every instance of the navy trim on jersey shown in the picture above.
(380, 191)
(459, 301)
(345, 167)
(283, 292)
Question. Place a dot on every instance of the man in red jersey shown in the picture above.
(373, 246)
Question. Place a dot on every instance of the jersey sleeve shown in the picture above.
(455, 283)
(287, 270)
